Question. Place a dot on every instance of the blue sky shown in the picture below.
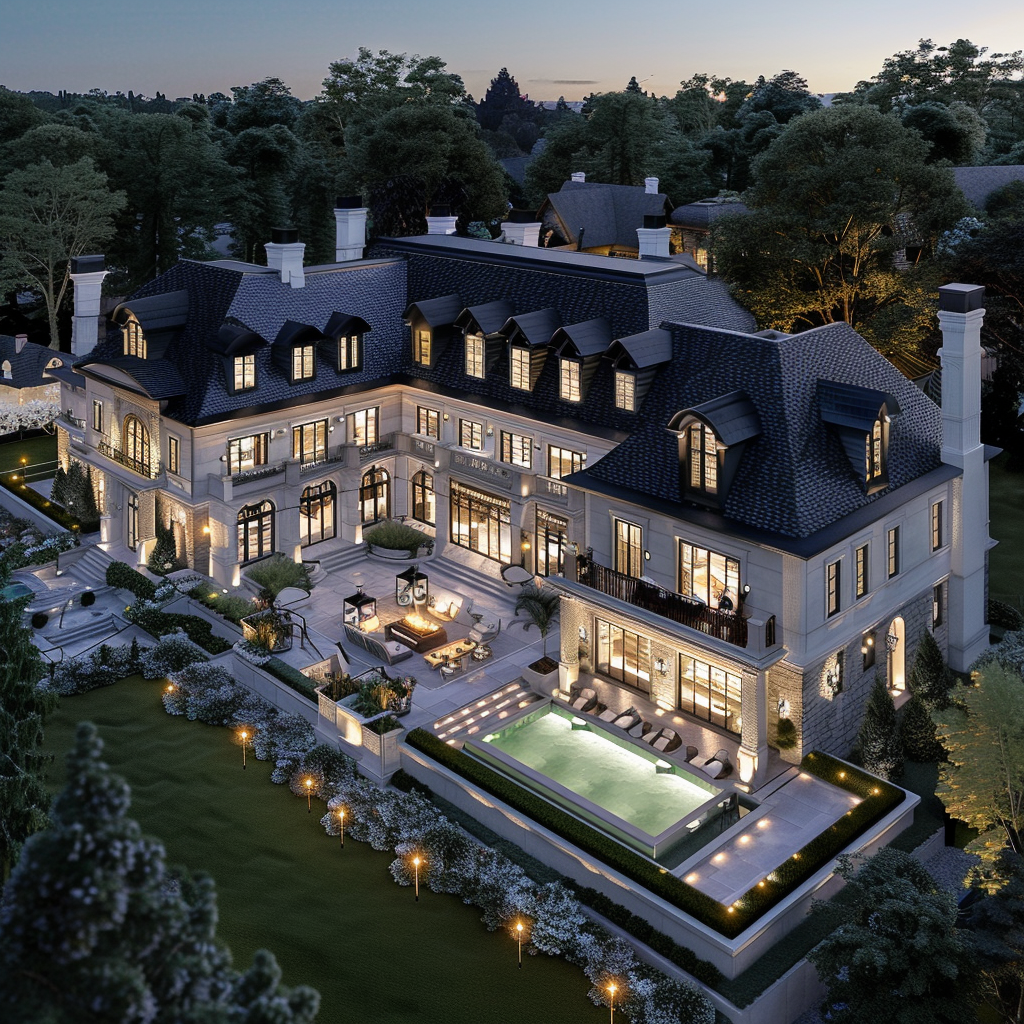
(552, 48)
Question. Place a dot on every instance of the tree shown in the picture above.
(92, 918)
(502, 100)
(834, 197)
(896, 955)
(956, 132)
(262, 105)
(917, 733)
(542, 607)
(878, 737)
(47, 216)
(930, 679)
(23, 710)
(982, 782)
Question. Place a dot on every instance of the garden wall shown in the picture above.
(284, 698)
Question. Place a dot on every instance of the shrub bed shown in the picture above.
(397, 536)
(275, 573)
(124, 577)
(877, 799)
(158, 623)
(298, 681)
(48, 508)
(232, 607)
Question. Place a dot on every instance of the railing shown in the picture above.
(385, 444)
(75, 421)
(325, 460)
(257, 474)
(141, 466)
(728, 626)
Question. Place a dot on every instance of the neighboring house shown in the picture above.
(978, 183)
(25, 371)
(601, 219)
(742, 519)
(693, 223)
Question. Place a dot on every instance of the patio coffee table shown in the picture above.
(451, 652)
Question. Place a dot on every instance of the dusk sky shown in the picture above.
(553, 49)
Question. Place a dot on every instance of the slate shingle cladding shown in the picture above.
(794, 478)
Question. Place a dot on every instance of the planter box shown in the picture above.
(384, 749)
(399, 554)
(543, 682)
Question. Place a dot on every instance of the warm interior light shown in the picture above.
(420, 624)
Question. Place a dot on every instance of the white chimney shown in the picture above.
(579, 176)
(20, 341)
(350, 228)
(87, 273)
(651, 186)
(440, 221)
(960, 317)
(521, 228)
(654, 237)
(284, 254)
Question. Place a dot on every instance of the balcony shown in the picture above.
(141, 466)
(384, 444)
(728, 626)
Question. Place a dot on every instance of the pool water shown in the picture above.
(15, 590)
(590, 764)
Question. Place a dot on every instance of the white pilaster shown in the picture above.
(350, 234)
(85, 321)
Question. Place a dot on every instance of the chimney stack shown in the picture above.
(284, 254)
(20, 341)
(521, 228)
(651, 186)
(440, 221)
(350, 228)
(960, 316)
(87, 273)
(579, 176)
(654, 237)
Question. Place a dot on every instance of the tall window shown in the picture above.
(303, 362)
(893, 552)
(136, 445)
(423, 497)
(624, 655)
(569, 380)
(428, 422)
(710, 693)
(519, 363)
(255, 531)
(707, 575)
(132, 523)
(832, 588)
(245, 372)
(625, 390)
(97, 416)
(516, 449)
(875, 452)
(173, 455)
(471, 435)
(362, 426)
(628, 548)
(316, 513)
(863, 581)
(374, 495)
(938, 594)
(475, 355)
(350, 352)
(703, 459)
(309, 442)
(421, 347)
(481, 522)
(246, 453)
(134, 339)
(552, 540)
(936, 526)
(562, 461)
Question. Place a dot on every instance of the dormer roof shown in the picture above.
(732, 417)
(488, 317)
(589, 338)
(533, 329)
(440, 312)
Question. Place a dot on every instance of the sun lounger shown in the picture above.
(652, 734)
(717, 767)
(584, 700)
(627, 719)
(638, 730)
(608, 715)
(691, 753)
(667, 741)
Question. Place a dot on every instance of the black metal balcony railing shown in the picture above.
(141, 466)
(728, 626)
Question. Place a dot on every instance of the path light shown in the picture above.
(309, 794)
(244, 736)
(416, 868)
(341, 815)
(611, 1002)
(519, 936)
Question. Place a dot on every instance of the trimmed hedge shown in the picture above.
(48, 508)
(232, 607)
(292, 677)
(198, 630)
(877, 799)
(122, 576)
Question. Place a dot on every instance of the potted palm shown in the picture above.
(541, 608)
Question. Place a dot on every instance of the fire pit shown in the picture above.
(418, 633)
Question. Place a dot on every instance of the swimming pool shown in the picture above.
(15, 590)
(601, 776)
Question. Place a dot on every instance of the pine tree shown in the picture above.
(59, 487)
(90, 514)
(23, 710)
(917, 733)
(930, 679)
(879, 739)
(92, 918)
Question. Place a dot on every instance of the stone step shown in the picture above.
(98, 625)
(481, 714)
(337, 562)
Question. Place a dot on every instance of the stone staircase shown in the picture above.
(339, 563)
(486, 713)
(98, 625)
(91, 568)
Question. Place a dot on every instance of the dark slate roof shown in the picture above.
(157, 378)
(29, 365)
(345, 324)
(850, 405)
(794, 478)
(701, 215)
(610, 214)
(162, 312)
(590, 338)
(535, 328)
(649, 348)
(440, 312)
(978, 183)
(733, 417)
(489, 317)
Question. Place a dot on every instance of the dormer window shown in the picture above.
(703, 459)
(245, 372)
(7, 369)
(421, 346)
(876, 451)
(350, 352)
(303, 362)
(134, 339)
(569, 378)
(625, 390)
(519, 367)
(861, 418)
(475, 348)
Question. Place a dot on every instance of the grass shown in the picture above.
(334, 919)
(1006, 561)
(33, 449)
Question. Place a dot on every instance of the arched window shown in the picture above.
(374, 495)
(703, 451)
(876, 444)
(423, 497)
(132, 521)
(135, 445)
(255, 531)
(134, 339)
(7, 369)
(316, 513)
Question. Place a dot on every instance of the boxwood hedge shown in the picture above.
(124, 577)
(292, 677)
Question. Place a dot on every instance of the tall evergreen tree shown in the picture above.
(930, 679)
(879, 740)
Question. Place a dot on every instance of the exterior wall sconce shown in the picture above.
(661, 665)
(784, 708)
(330, 429)
(892, 641)
(206, 530)
(339, 419)
(647, 556)
(282, 431)
(490, 431)
(446, 417)
(437, 463)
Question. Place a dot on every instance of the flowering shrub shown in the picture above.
(171, 653)
(33, 415)
(102, 667)
(253, 653)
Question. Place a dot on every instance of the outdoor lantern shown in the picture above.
(412, 587)
(359, 608)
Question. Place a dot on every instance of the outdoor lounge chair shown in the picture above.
(717, 767)
(638, 730)
(652, 734)
(608, 715)
(584, 700)
(691, 753)
(667, 741)
(627, 719)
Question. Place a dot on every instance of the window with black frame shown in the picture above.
(317, 513)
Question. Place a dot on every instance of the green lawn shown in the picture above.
(334, 919)
(1006, 561)
(34, 450)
